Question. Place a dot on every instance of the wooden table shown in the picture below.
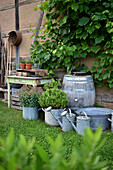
(34, 81)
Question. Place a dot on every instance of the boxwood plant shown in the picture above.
(53, 96)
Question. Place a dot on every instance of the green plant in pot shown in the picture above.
(22, 63)
(28, 97)
(54, 97)
(28, 63)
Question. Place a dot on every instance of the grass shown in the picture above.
(38, 129)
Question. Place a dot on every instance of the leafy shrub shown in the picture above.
(19, 154)
(28, 96)
(53, 96)
(79, 28)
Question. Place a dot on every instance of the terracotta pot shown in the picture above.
(28, 65)
(22, 65)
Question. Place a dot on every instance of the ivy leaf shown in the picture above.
(74, 6)
(111, 59)
(84, 45)
(94, 49)
(63, 21)
(99, 39)
(83, 21)
(35, 9)
(93, 69)
(96, 63)
(79, 30)
(106, 74)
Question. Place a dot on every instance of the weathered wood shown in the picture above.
(17, 14)
(16, 107)
(15, 103)
(1, 59)
(15, 98)
(17, 28)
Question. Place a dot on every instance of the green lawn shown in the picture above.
(38, 129)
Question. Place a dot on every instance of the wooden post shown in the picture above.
(17, 14)
(9, 102)
(17, 28)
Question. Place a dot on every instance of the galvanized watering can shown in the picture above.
(68, 120)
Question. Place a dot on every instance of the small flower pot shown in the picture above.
(22, 65)
(28, 65)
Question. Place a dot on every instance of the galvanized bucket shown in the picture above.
(49, 118)
(99, 116)
(30, 113)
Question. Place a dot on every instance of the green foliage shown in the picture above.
(53, 96)
(28, 96)
(50, 73)
(28, 61)
(78, 27)
(15, 154)
(12, 118)
(22, 61)
(18, 154)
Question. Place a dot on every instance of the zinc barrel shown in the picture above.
(80, 90)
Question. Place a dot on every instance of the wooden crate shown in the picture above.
(15, 103)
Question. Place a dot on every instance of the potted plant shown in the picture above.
(22, 63)
(28, 97)
(54, 97)
(28, 63)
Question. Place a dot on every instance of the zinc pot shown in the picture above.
(30, 113)
(50, 120)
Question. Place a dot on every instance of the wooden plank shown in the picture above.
(15, 103)
(15, 98)
(16, 107)
(4, 90)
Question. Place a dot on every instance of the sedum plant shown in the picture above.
(28, 96)
(53, 96)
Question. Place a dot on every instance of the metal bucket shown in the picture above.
(30, 113)
(80, 90)
(66, 125)
(49, 118)
(15, 38)
(99, 116)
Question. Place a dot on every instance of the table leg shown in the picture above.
(9, 95)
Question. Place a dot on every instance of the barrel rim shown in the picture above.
(80, 78)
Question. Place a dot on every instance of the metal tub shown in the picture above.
(99, 116)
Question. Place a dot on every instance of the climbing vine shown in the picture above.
(74, 30)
